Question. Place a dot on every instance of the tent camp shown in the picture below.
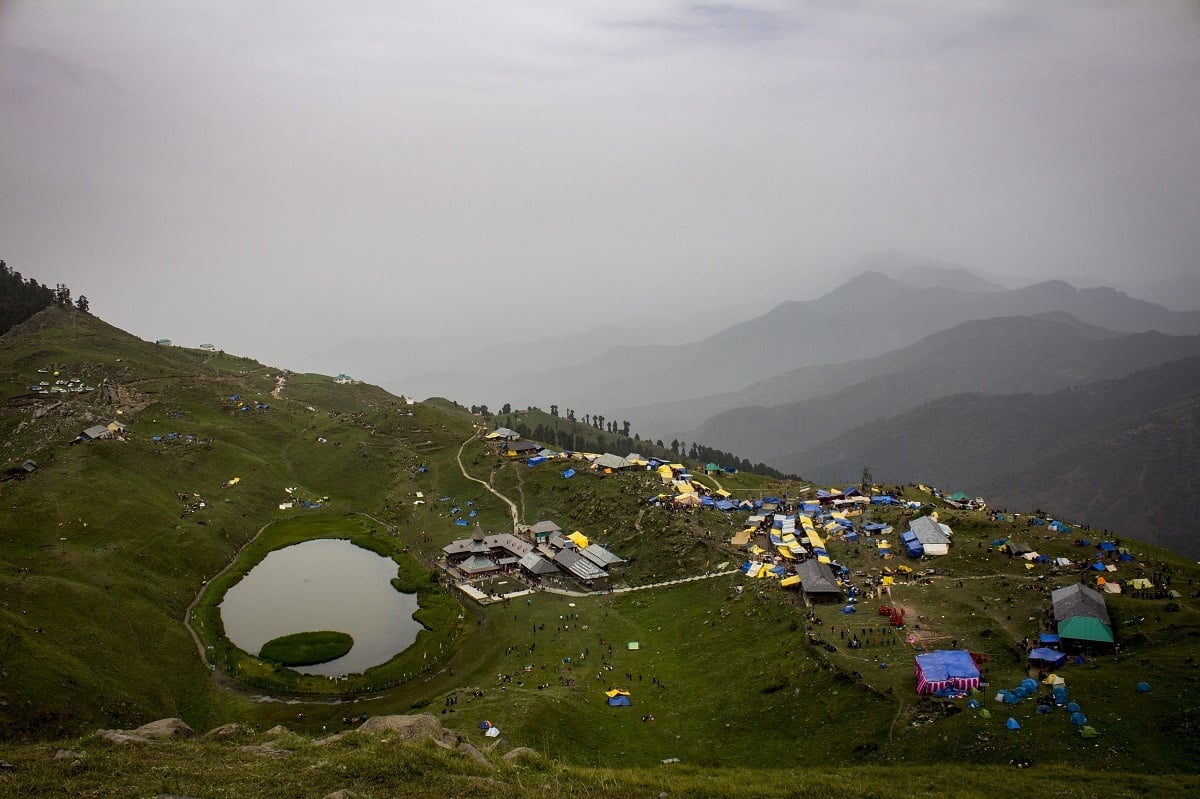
(946, 668)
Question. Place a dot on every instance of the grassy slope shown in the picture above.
(743, 688)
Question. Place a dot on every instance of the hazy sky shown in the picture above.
(273, 177)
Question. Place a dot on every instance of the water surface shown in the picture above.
(324, 584)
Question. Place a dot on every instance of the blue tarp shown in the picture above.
(1047, 655)
(1107, 546)
(1048, 638)
(569, 473)
(461, 522)
(619, 701)
(534, 461)
(945, 664)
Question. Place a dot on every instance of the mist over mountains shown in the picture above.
(918, 368)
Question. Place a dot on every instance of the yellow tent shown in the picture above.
(665, 473)
(783, 550)
(790, 581)
(580, 539)
(616, 692)
(722, 493)
(742, 538)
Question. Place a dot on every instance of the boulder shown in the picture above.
(521, 753)
(473, 753)
(278, 730)
(68, 754)
(342, 793)
(122, 737)
(412, 728)
(264, 750)
(165, 728)
(225, 731)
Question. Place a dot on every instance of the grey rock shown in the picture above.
(412, 728)
(165, 728)
(225, 731)
(473, 753)
(122, 737)
(521, 753)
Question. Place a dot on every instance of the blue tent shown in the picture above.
(1078, 719)
(1012, 724)
(619, 701)
(569, 473)
(461, 522)
(534, 461)
(1143, 687)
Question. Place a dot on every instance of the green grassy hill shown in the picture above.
(106, 544)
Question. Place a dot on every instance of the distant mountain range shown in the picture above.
(1118, 453)
(868, 316)
(989, 356)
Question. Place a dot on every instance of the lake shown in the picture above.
(325, 584)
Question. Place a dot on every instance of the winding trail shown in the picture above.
(512, 506)
(187, 614)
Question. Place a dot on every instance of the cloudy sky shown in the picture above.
(276, 177)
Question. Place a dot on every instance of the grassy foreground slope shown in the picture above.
(104, 546)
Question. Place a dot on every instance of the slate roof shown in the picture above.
(817, 578)
(1079, 600)
(929, 531)
(601, 556)
(536, 564)
(578, 565)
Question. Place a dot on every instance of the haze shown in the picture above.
(283, 179)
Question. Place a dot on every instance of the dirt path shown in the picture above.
(512, 506)
(187, 614)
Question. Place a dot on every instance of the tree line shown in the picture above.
(596, 433)
(21, 297)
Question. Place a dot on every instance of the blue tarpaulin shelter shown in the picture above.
(1045, 654)
(569, 473)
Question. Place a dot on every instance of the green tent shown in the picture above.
(1083, 628)
(959, 496)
